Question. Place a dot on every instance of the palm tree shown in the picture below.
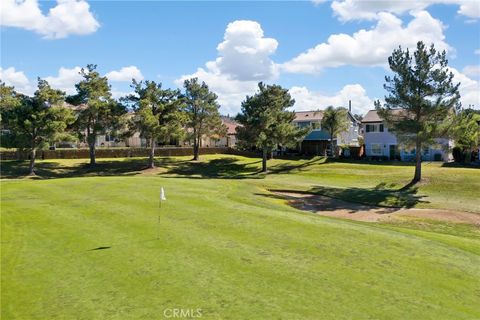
(334, 121)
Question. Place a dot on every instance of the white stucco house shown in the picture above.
(382, 143)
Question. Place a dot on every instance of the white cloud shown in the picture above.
(18, 79)
(67, 17)
(469, 89)
(66, 79)
(311, 100)
(347, 10)
(244, 52)
(244, 59)
(469, 8)
(370, 47)
(116, 94)
(125, 74)
(472, 70)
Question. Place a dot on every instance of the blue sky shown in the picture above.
(326, 53)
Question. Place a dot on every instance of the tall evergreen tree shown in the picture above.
(421, 98)
(266, 122)
(98, 113)
(38, 120)
(334, 121)
(158, 114)
(203, 117)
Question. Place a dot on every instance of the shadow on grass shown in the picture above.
(223, 168)
(232, 168)
(55, 170)
(289, 167)
(471, 165)
(382, 195)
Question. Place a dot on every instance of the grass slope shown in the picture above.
(226, 246)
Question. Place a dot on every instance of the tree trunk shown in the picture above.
(196, 148)
(33, 154)
(151, 159)
(332, 152)
(418, 162)
(91, 147)
(264, 159)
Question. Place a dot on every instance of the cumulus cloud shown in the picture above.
(66, 79)
(370, 47)
(469, 89)
(67, 17)
(311, 100)
(472, 70)
(125, 74)
(243, 60)
(18, 79)
(347, 10)
(245, 53)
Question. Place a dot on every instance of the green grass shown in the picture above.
(230, 248)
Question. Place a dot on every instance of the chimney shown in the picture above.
(350, 106)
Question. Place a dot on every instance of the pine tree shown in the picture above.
(266, 122)
(158, 114)
(203, 117)
(421, 98)
(97, 112)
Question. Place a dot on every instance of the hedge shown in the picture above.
(117, 153)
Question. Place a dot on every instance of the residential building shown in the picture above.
(382, 143)
(317, 142)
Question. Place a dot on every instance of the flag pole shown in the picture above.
(162, 198)
(158, 220)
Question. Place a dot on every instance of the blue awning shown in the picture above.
(317, 135)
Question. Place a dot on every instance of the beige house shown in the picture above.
(136, 141)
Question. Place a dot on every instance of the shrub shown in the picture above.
(437, 157)
(458, 154)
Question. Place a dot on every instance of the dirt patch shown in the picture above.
(332, 207)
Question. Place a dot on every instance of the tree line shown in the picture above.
(422, 104)
(159, 114)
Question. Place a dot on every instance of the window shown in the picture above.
(378, 127)
(376, 149)
(316, 126)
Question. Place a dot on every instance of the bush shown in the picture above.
(458, 154)
(437, 157)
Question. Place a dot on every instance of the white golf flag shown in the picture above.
(162, 195)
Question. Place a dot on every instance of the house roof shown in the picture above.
(230, 124)
(372, 115)
(308, 115)
(231, 127)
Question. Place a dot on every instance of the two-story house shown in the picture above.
(380, 142)
(317, 142)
